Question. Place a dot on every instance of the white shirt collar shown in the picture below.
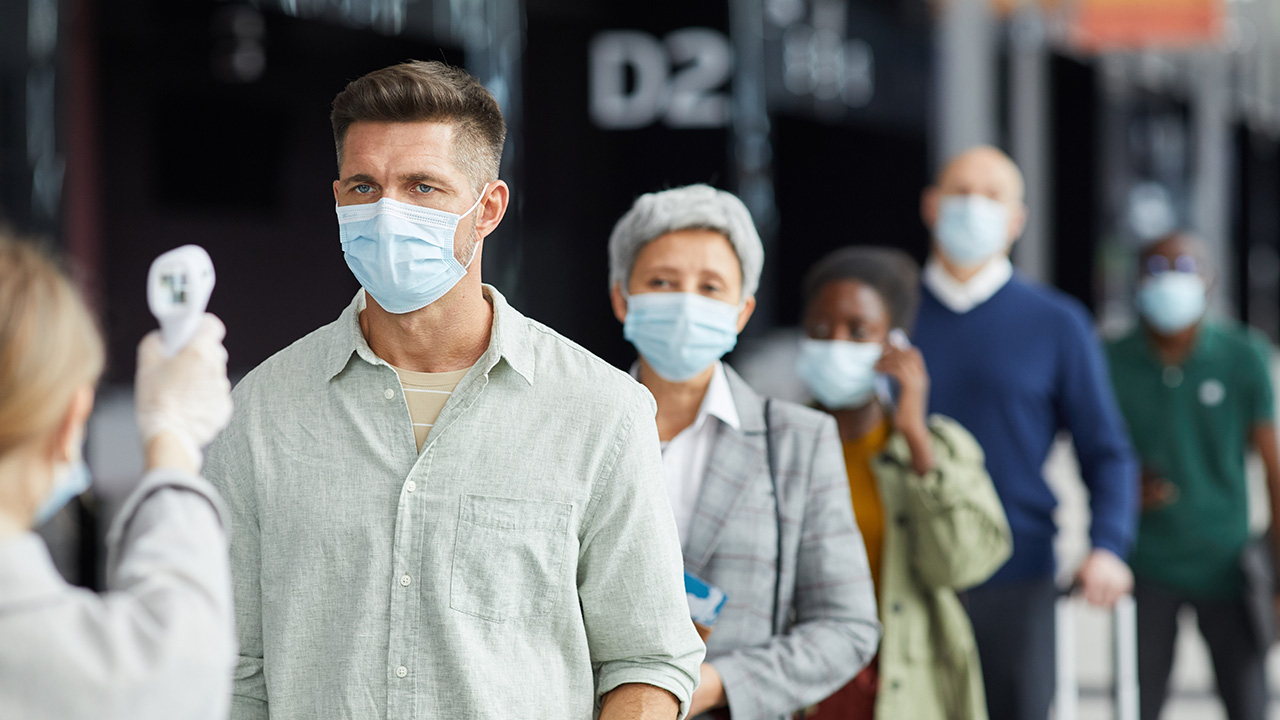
(717, 401)
(961, 297)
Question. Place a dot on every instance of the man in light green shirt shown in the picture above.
(523, 563)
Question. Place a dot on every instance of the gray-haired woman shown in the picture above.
(758, 486)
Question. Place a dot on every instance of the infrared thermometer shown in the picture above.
(178, 289)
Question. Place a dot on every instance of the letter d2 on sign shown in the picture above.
(677, 80)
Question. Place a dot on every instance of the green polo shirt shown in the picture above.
(1191, 423)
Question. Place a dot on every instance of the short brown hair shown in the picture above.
(50, 345)
(418, 91)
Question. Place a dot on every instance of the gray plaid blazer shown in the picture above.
(776, 657)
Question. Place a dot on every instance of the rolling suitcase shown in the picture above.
(1124, 634)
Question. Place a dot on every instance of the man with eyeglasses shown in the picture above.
(1196, 394)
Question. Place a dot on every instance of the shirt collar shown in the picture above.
(1205, 341)
(27, 572)
(961, 297)
(717, 400)
(507, 339)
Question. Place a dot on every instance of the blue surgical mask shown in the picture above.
(402, 254)
(1172, 301)
(680, 334)
(69, 480)
(971, 228)
(839, 373)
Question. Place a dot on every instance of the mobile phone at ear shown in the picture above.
(887, 387)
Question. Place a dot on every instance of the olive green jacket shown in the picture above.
(944, 531)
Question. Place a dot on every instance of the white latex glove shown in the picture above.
(187, 395)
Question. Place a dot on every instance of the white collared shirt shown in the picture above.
(961, 297)
(686, 455)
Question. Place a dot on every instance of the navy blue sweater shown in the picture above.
(1014, 371)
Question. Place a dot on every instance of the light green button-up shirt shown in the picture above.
(522, 565)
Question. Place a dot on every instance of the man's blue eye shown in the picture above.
(363, 189)
(424, 188)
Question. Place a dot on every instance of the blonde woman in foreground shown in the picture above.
(160, 642)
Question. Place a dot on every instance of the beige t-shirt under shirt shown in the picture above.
(426, 394)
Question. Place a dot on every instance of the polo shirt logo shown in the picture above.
(1212, 392)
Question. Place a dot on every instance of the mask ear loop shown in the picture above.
(476, 246)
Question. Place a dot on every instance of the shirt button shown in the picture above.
(402, 671)
(410, 486)
(389, 393)
(405, 580)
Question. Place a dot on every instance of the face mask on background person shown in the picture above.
(69, 480)
(402, 254)
(971, 228)
(680, 334)
(1172, 301)
(839, 373)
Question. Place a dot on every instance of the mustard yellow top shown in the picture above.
(867, 509)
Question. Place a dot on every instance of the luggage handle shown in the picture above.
(1124, 635)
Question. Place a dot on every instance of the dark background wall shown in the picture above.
(243, 168)
(193, 153)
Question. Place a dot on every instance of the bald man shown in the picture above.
(1016, 362)
(1197, 394)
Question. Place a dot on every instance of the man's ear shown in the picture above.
(619, 302)
(1017, 222)
(929, 206)
(748, 307)
(493, 207)
(335, 191)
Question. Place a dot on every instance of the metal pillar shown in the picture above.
(1212, 185)
(751, 145)
(1030, 141)
(492, 35)
(965, 62)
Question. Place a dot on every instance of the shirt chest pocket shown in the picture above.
(509, 557)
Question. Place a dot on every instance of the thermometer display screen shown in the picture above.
(175, 286)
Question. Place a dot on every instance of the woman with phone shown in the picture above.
(160, 643)
(758, 486)
(927, 509)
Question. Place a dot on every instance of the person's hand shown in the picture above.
(1156, 491)
(1104, 578)
(710, 692)
(905, 364)
(183, 401)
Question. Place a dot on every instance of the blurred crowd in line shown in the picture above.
(437, 507)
